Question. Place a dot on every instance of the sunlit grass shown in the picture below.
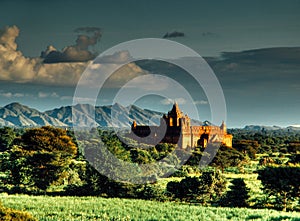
(96, 208)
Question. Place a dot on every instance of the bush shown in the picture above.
(204, 189)
(238, 196)
(8, 214)
(152, 192)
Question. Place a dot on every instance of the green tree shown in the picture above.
(281, 182)
(238, 195)
(248, 147)
(209, 186)
(7, 136)
(41, 157)
(227, 157)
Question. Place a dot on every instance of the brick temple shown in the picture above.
(175, 128)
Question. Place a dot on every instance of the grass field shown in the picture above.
(95, 208)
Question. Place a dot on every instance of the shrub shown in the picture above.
(8, 214)
(238, 196)
(152, 192)
(204, 189)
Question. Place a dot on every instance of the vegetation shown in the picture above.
(8, 214)
(261, 170)
(46, 208)
(7, 136)
(238, 195)
(209, 186)
(281, 182)
(39, 158)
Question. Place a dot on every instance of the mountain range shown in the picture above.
(18, 115)
(116, 115)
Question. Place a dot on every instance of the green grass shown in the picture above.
(95, 208)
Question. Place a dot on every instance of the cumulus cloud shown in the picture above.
(75, 53)
(174, 34)
(16, 67)
(116, 58)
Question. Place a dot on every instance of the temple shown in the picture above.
(176, 128)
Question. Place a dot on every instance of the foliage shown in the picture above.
(42, 157)
(248, 147)
(8, 214)
(281, 182)
(238, 195)
(153, 192)
(203, 189)
(7, 136)
(227, 157)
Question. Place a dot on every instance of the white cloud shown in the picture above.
(169, 101)
(201, 102)
(12, 95)
(119, 57)
(45, 95)
(15, 67)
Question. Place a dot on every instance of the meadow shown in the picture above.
(47, 208)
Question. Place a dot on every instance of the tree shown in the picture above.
(209, 186)
(248, 147)
(227, 157)
(281, 182)
(237, 196)
(40, 158)
(7, 136)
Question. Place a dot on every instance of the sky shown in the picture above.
(253, 48)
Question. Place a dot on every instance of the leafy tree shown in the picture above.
(294, 147)
(248, 147)
(140, 156)
(227, 157)
(209, 186)
(238, 195)
(7, 136)
(196, 156)
(281, 182)
(41, 157)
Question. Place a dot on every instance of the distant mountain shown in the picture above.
(294, 127)
(105, 116)
(271, 128)
(261, 127)
(18, 115)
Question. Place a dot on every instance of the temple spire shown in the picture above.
(176, 110)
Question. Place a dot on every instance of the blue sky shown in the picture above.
(259, 88)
